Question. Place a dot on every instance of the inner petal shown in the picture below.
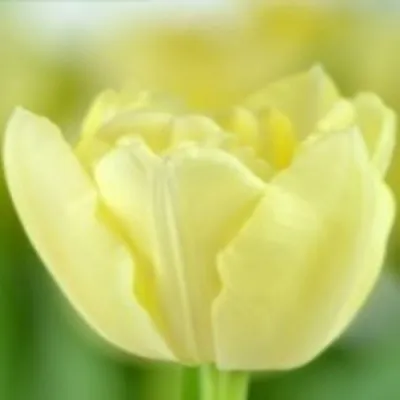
(152, 127)
(178, 211)
(198, 129)
(277, 142)
(304, 98)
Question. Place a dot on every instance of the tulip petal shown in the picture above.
(339, 118)
(59, 208)
(304, 262)
(378, 125)
(305, 98)
(179, 211)
(107, 107)
(152, 127)
(198, 129)
(213, 194)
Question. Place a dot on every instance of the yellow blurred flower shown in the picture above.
(214, 60)
(249, 237)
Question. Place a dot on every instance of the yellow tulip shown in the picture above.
(247, 238)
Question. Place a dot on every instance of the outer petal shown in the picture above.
(180, 211)
(212, 195)
(378, 125)
(104, 109)
(58, 204)
(339, 118)
(107, 105)
(305, 98)
(300, 268)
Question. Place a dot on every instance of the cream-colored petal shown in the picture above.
(152, 127)
(104, 107)
(126, 177)
(242, 124)
(339, 118)
(213, 194)
(107, 105)
(180, 211)
(304, 98)
(198, 129)
(242, 140)
(305, 261)
(378, 125)
(278, 142)
(59, 208)
(248, 157)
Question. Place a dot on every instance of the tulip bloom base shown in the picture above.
(222, 385)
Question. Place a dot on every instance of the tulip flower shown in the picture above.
(247, 239)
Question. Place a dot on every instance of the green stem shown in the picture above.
(222, 385)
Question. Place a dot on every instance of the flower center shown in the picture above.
(265, 141)
(269, 133)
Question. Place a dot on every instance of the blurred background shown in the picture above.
(55, 57)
